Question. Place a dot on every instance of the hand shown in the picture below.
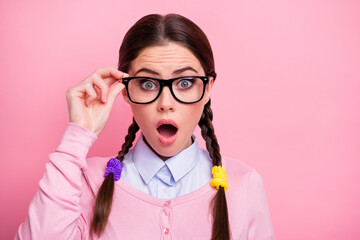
(91, 101)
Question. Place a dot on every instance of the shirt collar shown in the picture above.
(148, 163)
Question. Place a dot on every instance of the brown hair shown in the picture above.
(154, 30)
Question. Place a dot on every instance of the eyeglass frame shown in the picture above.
(168, 83)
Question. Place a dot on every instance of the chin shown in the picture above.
(167, 151)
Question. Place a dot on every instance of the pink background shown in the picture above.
(286, 101)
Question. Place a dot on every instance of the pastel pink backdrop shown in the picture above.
(286, 100)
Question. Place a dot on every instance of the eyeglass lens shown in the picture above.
(144, 90)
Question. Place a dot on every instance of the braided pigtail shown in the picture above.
(105, 195)
(220, 229)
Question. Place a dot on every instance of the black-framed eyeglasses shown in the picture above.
(143, 90)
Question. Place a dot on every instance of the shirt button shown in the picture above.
(166, 231)
(163, 169)
(166, 189)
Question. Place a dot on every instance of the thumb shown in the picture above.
(114, 91)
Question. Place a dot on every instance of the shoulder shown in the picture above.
(240, 174)
(236, 168)
(94, 173)
(96, 167)
(246, 199)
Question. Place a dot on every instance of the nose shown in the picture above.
(166, 101)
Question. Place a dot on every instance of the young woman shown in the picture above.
(165, 187)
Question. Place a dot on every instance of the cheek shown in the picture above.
(142, 114)
(192, 116)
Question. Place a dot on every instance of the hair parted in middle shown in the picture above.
(157, 30)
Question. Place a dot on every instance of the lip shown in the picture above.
(166, 121)
(162, 139)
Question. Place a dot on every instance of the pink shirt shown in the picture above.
(62, 207)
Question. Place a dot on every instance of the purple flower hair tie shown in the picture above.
(114, 166)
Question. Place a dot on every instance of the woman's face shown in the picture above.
(165, 62)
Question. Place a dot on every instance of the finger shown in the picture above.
(99, 82)
(115, 90)
(111, 80)
(91, 94)
(110, 71)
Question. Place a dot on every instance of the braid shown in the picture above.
(221, 230)
(129, 139)
(208, 133)
(105, 195)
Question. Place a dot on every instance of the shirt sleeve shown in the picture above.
(54, 212)
(260, 226)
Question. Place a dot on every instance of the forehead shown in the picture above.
(165, 59)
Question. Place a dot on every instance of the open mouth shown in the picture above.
(167, 130)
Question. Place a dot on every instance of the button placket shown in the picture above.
(166, 215)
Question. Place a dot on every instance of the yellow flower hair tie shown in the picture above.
(219, 177)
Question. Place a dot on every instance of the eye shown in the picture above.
(147, 84)
(185, 83)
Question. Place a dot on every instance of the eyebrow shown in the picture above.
(181, 70)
